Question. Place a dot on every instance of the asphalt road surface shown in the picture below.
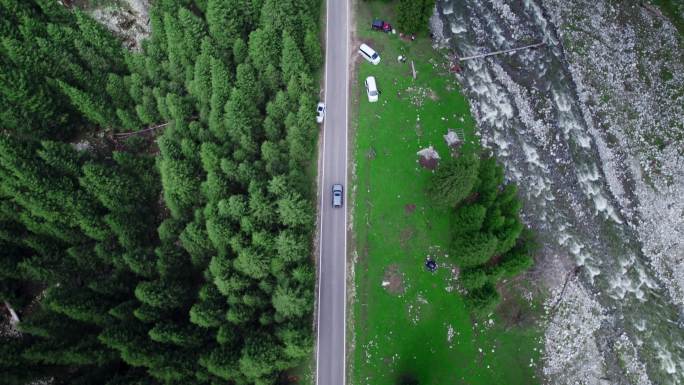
(330, 347)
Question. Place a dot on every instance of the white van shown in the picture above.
(371, 89)
(369, 54)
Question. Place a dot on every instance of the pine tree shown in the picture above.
(162, 294)
(413, 15)
(240, 51)
(194, 31)
(292, 60)
(264, 47)
(222, 361)
(312, 49)
(183, 335)
(210, 310)
(220, 92)
(482, 301)
(180, 178)
(292, 302)
(469, 218)
(454, 180)
(201, 85)
(227, 21)
(261, 357)
(175, 41)
(294, 210)
(92, 107)
(103, 43)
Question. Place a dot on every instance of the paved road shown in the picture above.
(330, 348)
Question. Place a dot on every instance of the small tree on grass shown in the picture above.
(483, 300)
(454, 180)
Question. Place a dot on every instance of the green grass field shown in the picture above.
(408, 322)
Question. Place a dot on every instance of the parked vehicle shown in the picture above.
(371, 89)
(369, 54)
(320, 112)
(337, 195)
(381, 25)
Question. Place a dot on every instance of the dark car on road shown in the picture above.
(337, 194)
(381, 25)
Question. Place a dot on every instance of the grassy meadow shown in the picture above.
(411, 324)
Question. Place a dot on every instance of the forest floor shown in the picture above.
(128, 19)
(408, 322)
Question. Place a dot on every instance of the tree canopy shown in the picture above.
(489, 242)
(179, 254)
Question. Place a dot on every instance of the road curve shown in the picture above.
(331, 330)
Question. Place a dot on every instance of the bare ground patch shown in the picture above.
(371, 153)
(393, 280)
(430, 164)
(417, 95)
(409, 208)
(406, 236)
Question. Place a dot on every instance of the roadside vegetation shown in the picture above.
(413, 325)
(155, 209)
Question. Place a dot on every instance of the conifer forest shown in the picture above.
(157, 207)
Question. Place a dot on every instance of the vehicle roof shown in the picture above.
(337, 186)
(366, 47)
(371, 82)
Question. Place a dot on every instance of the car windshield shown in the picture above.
(320, 108)
(375, 56)
(373, 93)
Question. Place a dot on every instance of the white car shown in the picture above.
(369, 54)
(320, 112)
(371, 89)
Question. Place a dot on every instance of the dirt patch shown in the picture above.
(409, 208)
(371, 153)
(417, 95)
(519, 307)
(430, 164)
(393, 280)
(405, 236)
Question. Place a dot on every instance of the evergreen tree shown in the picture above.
(264, 47)
(413, 15)
(312, 49)
(454, 180)
(201, 85)
(292, 60)
(227, 21)
(220, 92)
(92, 107)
